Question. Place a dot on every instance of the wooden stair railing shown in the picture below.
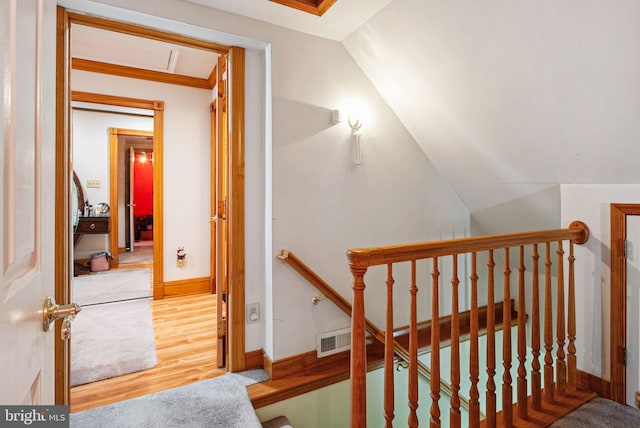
(330, 293)
(559, 396)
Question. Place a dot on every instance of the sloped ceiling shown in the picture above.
(510, 99)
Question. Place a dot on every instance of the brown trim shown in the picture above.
(146, 32)
(62, 205)
(112, 100)
(184, 287)
(213, 77)
(158, 206)
(314, 7)
(267, 365)
(139, 73)
(618, 327)
(254, 359)
(304, 372)
(593, 383)
(307, 364)
(235, 213)
(158, 180)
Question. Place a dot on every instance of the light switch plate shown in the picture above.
(93, 183)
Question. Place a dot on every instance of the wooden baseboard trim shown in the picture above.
(253, 359)
(594, 383)
(267, 365)
(183, 287)
(306, 372)
(307, 364)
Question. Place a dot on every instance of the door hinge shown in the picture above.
(625, 245)
(222, 327)
(624, 354)
(222, 209)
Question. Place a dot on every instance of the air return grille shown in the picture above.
(333, 342)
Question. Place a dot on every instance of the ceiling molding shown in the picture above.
(314, 7)
(139, 73)
(149, 33)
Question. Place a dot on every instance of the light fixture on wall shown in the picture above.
(355, 122)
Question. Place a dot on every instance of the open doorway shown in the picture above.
(138, 207)
(135, 195)
(163, 284)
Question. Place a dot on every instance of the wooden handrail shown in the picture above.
(360, 259)
(331, 294)
(365, 257)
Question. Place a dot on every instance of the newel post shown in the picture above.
(358, 347)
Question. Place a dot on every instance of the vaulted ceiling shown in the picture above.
(508, 99)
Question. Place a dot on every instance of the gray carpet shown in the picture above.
(219, 402)
(111, 286)
(600, 413)
(112, 339)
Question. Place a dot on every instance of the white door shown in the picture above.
(633, 308)
(27, 192)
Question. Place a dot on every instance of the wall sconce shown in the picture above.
(356, 123)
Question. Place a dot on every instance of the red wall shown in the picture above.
(143, 185)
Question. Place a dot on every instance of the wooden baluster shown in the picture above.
(561, 366)
(389, 384)
(455, 348)
(474, 372)
(507, 389)
(548, 329)
(358, 352)
(435, 346)
(522, 341)
(491, 344)
(536, 377)
(413, 351)
(571, 359)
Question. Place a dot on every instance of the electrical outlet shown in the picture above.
(253, 313)
(93, 183)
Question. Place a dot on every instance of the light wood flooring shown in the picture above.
(185, 330)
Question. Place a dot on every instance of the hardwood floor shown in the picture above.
(185, 330)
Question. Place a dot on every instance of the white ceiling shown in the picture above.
(107, 46)
(344, 17)
(510, 98)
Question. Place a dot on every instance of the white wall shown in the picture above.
(322, 204)
(591, 204)
(187, 170)
(90, 134)
(511, 99)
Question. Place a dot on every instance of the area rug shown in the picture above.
(112, 339)
(600, 413)
(111, 286)
(219, 402)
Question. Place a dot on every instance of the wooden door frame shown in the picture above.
(158, 180)
(619, 213)
(114, 136)
(236, 340)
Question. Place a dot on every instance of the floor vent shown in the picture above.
(333, 342)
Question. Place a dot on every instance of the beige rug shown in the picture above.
(111, 286)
